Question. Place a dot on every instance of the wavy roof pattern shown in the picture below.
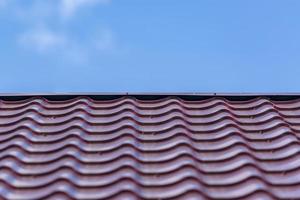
(167, 148)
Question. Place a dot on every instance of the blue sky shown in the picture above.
(150, 46)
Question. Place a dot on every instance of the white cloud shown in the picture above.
(42, 40)
(69, 7)
(38, 10)
(47, 32)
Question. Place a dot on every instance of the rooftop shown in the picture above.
(150, 146)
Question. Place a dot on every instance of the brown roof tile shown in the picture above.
(150, 149)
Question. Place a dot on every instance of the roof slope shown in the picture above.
(151, 149)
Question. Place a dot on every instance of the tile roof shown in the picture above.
(150, 149)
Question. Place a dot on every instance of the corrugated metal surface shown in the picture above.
(162, 149)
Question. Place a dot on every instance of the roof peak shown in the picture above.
(151, 96)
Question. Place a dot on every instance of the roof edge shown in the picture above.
(150, 96)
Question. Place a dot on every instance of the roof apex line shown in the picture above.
(150, 95)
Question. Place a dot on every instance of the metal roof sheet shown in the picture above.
(167, 148)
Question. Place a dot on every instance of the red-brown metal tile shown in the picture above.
(151, 149)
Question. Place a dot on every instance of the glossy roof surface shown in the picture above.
(166, 148)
